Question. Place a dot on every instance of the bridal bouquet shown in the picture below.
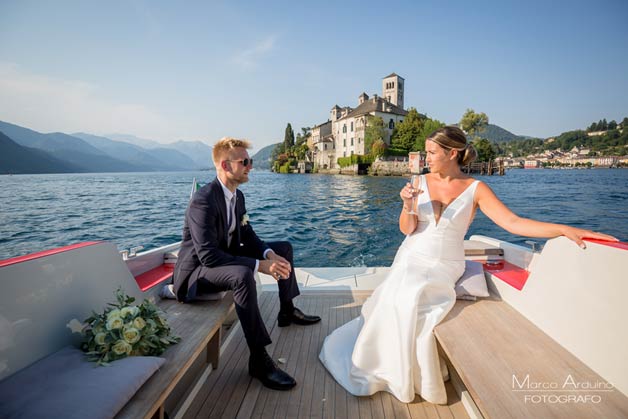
(124, 330)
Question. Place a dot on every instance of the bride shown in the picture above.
(390, 346)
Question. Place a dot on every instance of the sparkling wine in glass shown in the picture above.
(415, 184)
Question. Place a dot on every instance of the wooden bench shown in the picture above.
(50, 288)
(199, 326)
(513, 369)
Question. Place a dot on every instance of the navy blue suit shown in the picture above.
(206, 263)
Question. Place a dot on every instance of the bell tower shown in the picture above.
(392, 89)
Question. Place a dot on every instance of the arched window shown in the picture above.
(344, 128)
(391, 124)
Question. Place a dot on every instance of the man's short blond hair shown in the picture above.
(222, 147)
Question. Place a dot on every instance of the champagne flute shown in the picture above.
(415, 184)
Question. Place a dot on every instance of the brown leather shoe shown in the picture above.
(296, 317)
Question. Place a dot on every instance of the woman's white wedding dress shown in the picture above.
(390, 346)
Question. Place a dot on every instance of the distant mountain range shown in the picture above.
(17, 159)
(498, 134)
(26, 151)
(261, 159)
(195, 150)
(23, 150)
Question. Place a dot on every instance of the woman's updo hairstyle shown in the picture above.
(453, 138)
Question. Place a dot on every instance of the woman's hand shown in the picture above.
(408, 221)
(407, 193)
(577, 234)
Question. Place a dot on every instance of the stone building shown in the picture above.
(342, 135)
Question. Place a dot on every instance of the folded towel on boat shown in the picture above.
(167, 292)
(472, 283)
(66, 385)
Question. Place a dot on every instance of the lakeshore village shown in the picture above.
(379, 136)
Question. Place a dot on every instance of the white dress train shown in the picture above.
(390, 346)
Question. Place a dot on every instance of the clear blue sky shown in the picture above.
(200, 70)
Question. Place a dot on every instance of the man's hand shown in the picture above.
(276, 266)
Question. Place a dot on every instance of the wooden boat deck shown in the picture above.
(229, 392)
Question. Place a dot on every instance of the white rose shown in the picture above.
(131, 335)
(115, 323)
(139, 323)
(100, 338)
(245, 220)
(115, 313)
(122, 348)
(132, 311)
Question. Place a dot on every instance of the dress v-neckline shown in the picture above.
(437, 223)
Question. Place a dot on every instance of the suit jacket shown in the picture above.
(205, 236)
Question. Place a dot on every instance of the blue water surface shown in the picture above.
(332, 220)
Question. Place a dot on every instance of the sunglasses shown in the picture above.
(244, 162)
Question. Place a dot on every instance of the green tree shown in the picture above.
(374, 131)
(280, 160)
(473, 122)
(429, 126)
(407, 132)
(288, 138)
(485, 149)
(306, 132)
(378, 148)
(300, 151)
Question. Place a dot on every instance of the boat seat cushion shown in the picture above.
(472, 283)
(66, 385)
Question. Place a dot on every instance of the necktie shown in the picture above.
(231, 219)
(231, 212)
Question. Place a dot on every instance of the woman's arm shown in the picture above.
(407, 221)
(501, 215)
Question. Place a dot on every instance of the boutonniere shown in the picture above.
(245, 220)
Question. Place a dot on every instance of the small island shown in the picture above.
(380, 137)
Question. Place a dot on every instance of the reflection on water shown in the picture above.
(331, 220)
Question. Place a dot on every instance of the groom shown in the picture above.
(220, 251)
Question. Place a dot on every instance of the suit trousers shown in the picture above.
(241, 280)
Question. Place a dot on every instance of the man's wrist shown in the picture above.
(266, 253)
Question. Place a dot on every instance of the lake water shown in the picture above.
(331, 220)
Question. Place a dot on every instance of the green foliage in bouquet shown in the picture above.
(124, 330)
